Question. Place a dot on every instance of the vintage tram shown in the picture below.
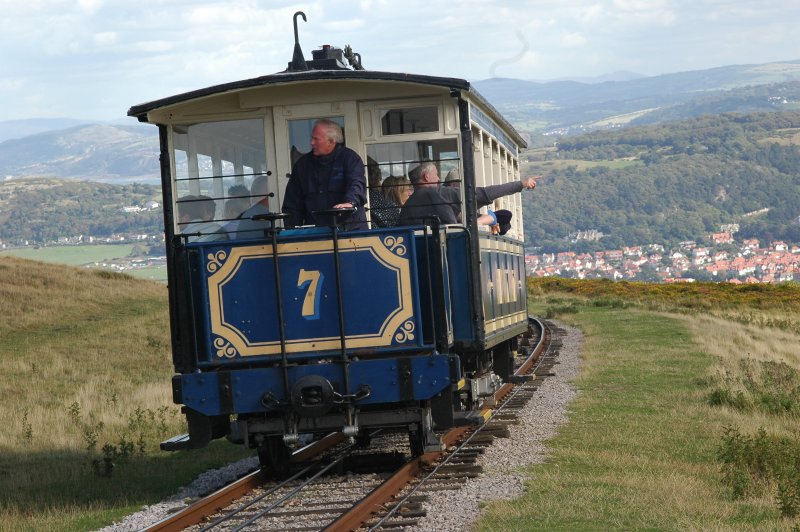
(283, 332)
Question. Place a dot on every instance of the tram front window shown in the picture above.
(216, 164)
(409, 120)
(400, 158)
(401, 161)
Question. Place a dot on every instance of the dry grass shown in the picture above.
(87, 364)
(63, 345)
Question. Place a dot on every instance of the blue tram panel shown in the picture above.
(503, 285)
(379, 291)
(428, 376)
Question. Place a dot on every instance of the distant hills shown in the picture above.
(668, 183)
(75, 149)
(569, 107)
(43, 210)
(636, 158)
(16, 129)
(97, 152)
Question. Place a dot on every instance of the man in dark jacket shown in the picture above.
(330, 177)
(430, 198)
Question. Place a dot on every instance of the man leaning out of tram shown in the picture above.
(331, 176)
(431, 198)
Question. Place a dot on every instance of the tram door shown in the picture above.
(293, 125)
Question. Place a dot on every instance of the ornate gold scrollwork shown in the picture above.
(215, 261)
(405, 332)
(224, 348)
(395, 244)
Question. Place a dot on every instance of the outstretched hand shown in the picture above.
(530, 182)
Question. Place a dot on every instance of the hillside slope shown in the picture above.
(96, 152)
(573, 106)
(42, 210)
(671, 182)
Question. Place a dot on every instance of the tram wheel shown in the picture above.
(363, 440)
(274, 456)
(416, 440)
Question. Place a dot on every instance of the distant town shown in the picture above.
(723, 258)
(720, 258)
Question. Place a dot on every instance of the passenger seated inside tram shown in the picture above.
(393, 194)
(453, 178)
(234, 207)
(378, 205)
(196, 215)
(246, 226)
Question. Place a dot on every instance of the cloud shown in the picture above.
(154, 46)
(106, 38)
(78, 48)
(90, 7)
(572, 39)
(11, 84)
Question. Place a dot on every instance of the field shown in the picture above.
(88, 254)
(86, 398)
(72, 255)
(538, 165)
(688, 413)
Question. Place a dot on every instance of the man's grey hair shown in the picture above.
(422, 170)
(332, 130)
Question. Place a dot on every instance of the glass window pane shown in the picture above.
(215, 166)
(400, 158)
(409, 120)
(399, 161)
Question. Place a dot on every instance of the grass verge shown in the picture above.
(650, 443)
(86, 398)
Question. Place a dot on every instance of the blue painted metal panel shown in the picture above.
(429, 375)
(460, 286)
(503, 286)
(238, 304)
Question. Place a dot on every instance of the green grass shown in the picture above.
(154, 273)
(645, 447)
(72, 255)
(86, 254)
(630, 450)
(552, 166)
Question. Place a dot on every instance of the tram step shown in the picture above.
(176, 443)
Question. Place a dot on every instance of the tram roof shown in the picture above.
(140, 111)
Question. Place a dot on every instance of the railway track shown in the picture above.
(328, 495)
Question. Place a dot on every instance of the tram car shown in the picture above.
(283, 334)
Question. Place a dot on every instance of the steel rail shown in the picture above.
(358, 515)
(195, 513)
(372, 503)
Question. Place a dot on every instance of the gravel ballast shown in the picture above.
(454, 511)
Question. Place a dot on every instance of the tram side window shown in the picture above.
(215, 164)
(391, 168)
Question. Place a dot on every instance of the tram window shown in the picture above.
(409, 120)
(218, 160)
(400, 158)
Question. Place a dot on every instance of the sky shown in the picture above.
(94, 59)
